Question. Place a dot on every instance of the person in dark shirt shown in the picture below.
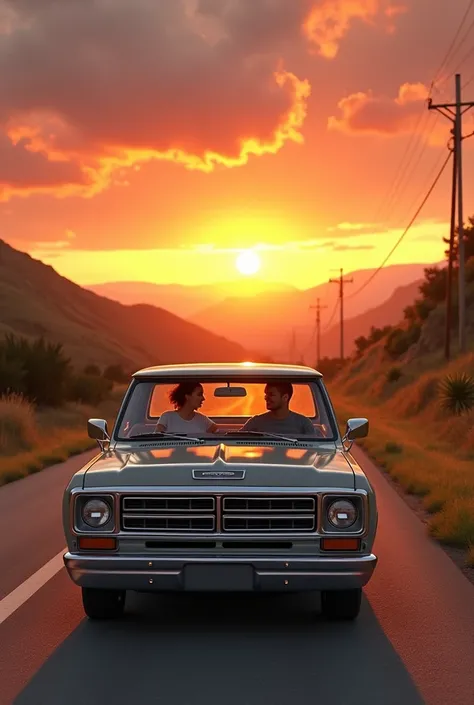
(279, 418)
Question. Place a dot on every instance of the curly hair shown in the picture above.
(179, 393)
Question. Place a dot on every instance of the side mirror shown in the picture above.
(97, 429)
(356, 428)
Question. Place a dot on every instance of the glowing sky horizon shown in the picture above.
(155, 141)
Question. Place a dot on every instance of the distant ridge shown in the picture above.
(35, 300)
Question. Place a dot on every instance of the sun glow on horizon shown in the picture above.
(248, 263)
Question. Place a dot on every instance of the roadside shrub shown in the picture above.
(394, 374)
(92, 370)
(400, 340)
(329, 367)
(457, 393)
(89, 389)
(116, 373)
(46, 368)
(362, 343)
(12, 375)
(18, 430)
(391, 447)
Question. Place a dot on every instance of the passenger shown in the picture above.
(186, 397)
(279, 418)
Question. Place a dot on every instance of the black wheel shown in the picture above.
(341, 604)
(103, 604)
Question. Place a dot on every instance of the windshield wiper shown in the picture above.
(163, 434)
(264, 434)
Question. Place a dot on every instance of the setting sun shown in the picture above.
(248, 263)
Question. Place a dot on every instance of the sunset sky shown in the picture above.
(154, 140)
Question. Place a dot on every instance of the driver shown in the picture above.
(279, 418)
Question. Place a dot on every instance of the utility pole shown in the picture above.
(318, 308)
(449, 285)
(454, 113)
(341, 281)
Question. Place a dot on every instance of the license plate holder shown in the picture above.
(208, 577)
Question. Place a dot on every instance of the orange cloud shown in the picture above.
(329, 21)
(367, 113)
(94, 89)
(144, 82)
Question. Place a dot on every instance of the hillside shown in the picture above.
(420, 408)
(183, 300)
(388, 313)
(35, 300)
(266, 320)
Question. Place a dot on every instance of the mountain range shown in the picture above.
(282, 324)
(125, 327)
(271, 319)
(35, 300)
(183, 300)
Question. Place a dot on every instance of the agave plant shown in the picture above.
(457, 393)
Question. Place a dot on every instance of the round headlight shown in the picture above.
(342, 514)
(96, 512)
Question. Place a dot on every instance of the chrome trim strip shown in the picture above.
(159, 496)
(268, 518)
(277, 560)
(248, 499)
(168, 517)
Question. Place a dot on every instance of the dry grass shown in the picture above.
(18, 429)
(470, 557)
(33, 440)
(428, 453)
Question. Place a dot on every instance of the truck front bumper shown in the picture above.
(203, 574)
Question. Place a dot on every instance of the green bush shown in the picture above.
(116, 373)
(376, 334)
(12, 374)
(394, 374)
(391, 447)
(46, 369)
(92, 370)
(329, 367)
(457, 393)
(89, 389)
(400, 340)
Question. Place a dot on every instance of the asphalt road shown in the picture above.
(413, 642)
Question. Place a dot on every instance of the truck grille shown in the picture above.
(168, 513)
(238, 514)
(268, 514)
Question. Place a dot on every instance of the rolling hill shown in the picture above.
(386, 314)
(183, 300)
(265, 322)
(35, 300)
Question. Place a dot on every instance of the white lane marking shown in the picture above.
(35, 582)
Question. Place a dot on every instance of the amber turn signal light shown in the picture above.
(97, 544)
(342, 544)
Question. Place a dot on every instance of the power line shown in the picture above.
(455, 118)
(431, 189)
(390, 197)
(401, 169)
(430, 176)
(418, 155)
(451, 46)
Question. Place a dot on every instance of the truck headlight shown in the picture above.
(342, 514)
(96, 512)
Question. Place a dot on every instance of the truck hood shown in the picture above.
(265, 466)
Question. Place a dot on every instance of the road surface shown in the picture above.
(413, 642)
